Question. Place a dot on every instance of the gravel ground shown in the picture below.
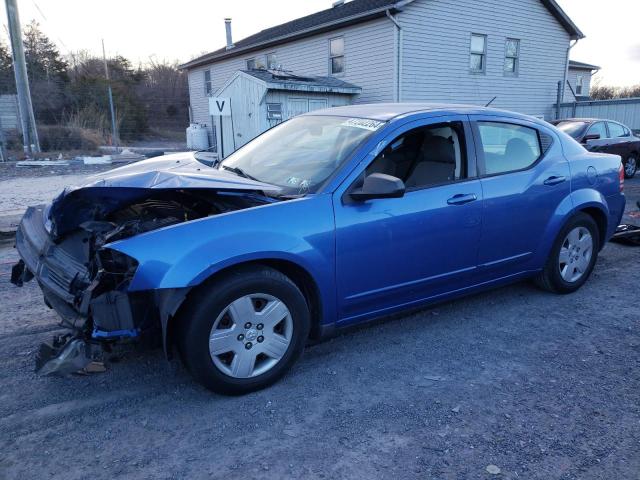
(541, 386)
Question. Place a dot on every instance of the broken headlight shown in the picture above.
(117, 263)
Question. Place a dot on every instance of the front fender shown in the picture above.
(184, 255)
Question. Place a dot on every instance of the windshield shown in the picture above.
(300, 154)
(574, 129)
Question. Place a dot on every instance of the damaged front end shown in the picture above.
(65, 247)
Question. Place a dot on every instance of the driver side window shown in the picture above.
(424, 157)
(599, 128)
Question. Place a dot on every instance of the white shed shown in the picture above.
(260, 99)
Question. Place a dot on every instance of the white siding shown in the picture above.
(572, 77)
(369, 63)
(249, 99)
(248, 114)
(435, 64)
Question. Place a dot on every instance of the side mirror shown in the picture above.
(591, 136)
(379, 185)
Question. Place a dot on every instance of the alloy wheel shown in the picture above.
(251, 335)
(575, 254)
(630, 166)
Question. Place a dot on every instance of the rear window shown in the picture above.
(573, 129)
(508, 147)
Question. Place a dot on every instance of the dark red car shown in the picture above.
(605, 136)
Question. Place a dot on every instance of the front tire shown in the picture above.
(573, 256)
(243, 331)
(630, 166)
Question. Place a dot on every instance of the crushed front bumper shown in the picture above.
(70, 279)
(58, 271)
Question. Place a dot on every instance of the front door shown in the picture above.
(601, 144)
(525, 182)
(396, 252)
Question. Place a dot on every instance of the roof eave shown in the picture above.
(313, 88)
(234, 52)
(574, 32)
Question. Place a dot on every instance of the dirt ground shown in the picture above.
(538, 385)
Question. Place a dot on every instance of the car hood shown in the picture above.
(179, 170)
(106, 192)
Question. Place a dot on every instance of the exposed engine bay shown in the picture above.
(65, 246)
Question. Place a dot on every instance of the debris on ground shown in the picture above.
(493, 469)
(63, 355)
(93, 367)
(627, 235)
(42, 163)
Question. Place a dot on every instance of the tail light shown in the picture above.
(621, 173)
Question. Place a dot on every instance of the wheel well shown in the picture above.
(298, 275)
(601, 220)
(307, 285)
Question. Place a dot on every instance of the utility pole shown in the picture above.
(25, 107)
(114, 133)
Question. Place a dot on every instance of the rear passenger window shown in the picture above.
(424, 157)
(508, 147)
(616, 130)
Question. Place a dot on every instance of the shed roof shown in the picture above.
(582, 66)
(283, 80)
(354, 11)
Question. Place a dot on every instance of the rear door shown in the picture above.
(524, 178)
(620, 140)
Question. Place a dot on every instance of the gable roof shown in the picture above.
(349, 13)
(582, 66)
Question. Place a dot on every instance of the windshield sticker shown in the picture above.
(364, 123)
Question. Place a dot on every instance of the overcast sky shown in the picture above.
(140, 29)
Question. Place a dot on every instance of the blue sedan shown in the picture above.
(330, 219)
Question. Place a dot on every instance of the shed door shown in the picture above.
(318, 104)
(297, 106)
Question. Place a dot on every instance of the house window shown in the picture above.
(274, 111)
(272, 62)
(336, 55)
(207, 82)
(579, 84)
(478, 59)
(511, 56)
(251, 64)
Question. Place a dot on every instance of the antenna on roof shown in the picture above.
(490, 101)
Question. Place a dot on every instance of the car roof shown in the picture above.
(388, 111)
(586, 120)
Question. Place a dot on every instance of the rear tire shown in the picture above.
(243, 331)
(573, 256)
(630, 166)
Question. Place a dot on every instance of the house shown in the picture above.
(510, 53)
(579, 77)
(261, 99)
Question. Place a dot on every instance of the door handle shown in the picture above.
(462, 198)
(554, 180)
